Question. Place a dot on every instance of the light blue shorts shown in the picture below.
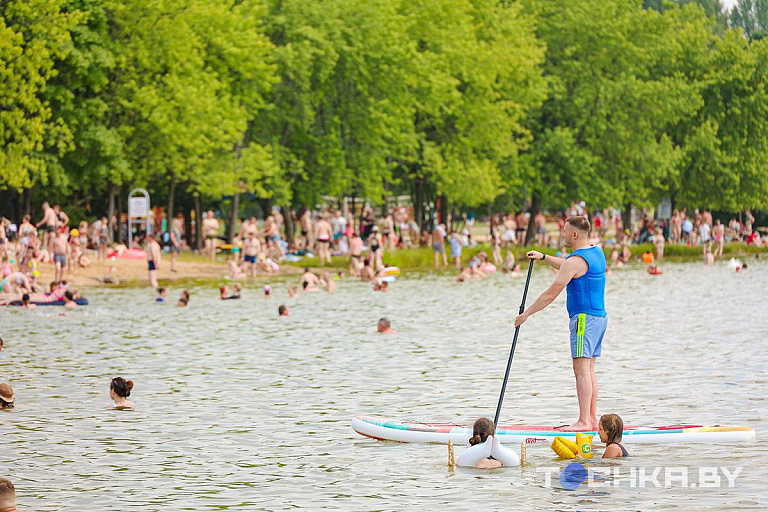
(587, 333)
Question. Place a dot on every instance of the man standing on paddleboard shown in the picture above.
(582, 273)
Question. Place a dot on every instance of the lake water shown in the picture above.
(239, 409)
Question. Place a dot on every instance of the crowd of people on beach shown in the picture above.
(262, 247)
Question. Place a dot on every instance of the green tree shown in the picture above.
(33, 34)
(752, 17)
(601, 134)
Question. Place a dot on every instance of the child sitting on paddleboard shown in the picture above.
(610, 430)
(486, 451)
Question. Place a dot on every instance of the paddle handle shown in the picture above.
(512, 350)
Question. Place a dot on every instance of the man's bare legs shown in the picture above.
(586, 391)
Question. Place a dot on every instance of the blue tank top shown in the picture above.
(586, 294)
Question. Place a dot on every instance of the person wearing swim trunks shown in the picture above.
(211, 230)
(324, 236)
(251, 249)
(355, 254)
(61, 250)
(50, 220)
(582, 273)
(438, 246)
(152, 248)
(247, 227)
(305, 224)
(521, 220)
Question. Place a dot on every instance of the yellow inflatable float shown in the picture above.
(566, 449)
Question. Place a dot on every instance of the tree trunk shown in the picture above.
(443, 210)
(111, 211)
(626, 217)
(418, 203)
(235, 216)
(17, 208)
(189, 207)
(530, 234)
(198, 223)
(171, 193)
(27, 203)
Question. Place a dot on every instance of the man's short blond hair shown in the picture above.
(580, 223)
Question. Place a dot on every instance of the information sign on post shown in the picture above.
(138, 212)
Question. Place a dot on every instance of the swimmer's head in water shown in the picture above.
(611, 428)
(283, 310)
(7, 495)
(383, 324)
(6, 396)
(162, 291)
(482, 428)
(68, 296)
(121, 387)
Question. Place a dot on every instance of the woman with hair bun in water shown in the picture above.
(119, 391)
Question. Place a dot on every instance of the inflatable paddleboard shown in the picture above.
(414, 432)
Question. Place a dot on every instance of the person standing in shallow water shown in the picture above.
(583, 273)
(119, 391)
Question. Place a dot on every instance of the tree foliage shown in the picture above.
(473, 101)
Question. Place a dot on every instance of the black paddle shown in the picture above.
(512, 351)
